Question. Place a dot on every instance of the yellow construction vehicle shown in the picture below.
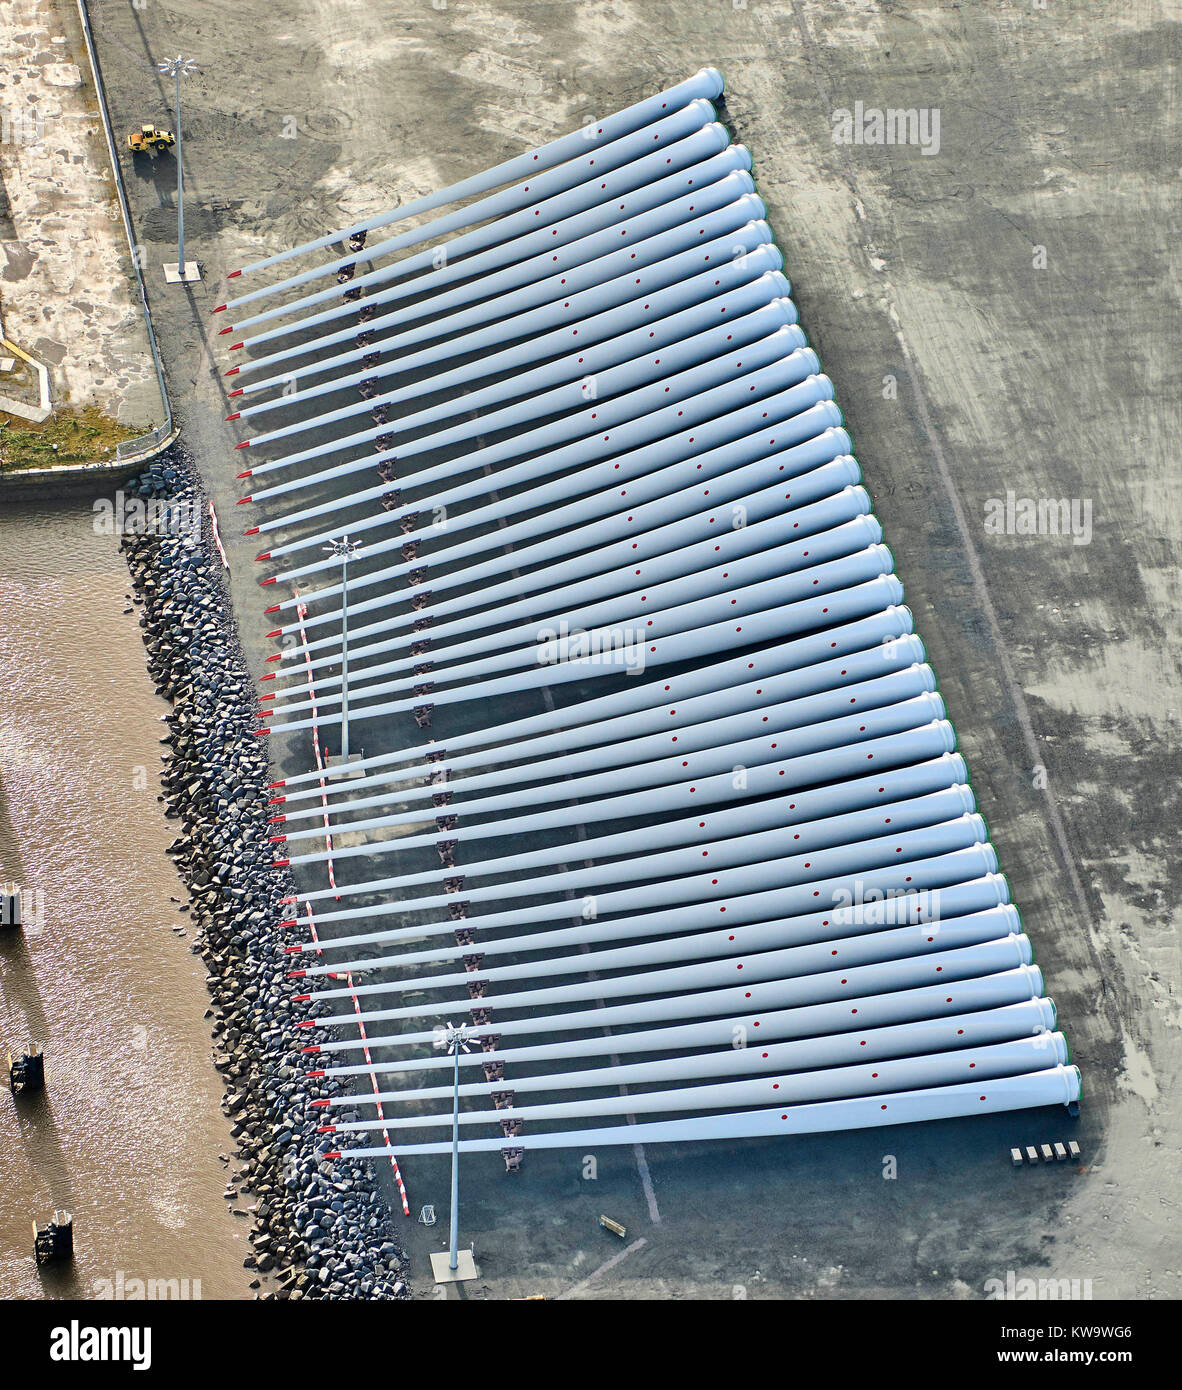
(149, 139)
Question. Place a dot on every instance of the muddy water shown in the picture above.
(128, 1132)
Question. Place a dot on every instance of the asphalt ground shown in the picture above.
(998, 316)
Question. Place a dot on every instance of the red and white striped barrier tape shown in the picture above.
(217, 537)
(372, 1076)
(302, 613)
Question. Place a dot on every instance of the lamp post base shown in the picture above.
(173, 274)
(466, 1267)
(345, 767)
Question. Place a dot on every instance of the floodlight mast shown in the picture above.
(454, 1040)
(342, 547)
(177, 68)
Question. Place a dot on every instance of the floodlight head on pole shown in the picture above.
(341, 546)
(452, 1038)
(180, 66)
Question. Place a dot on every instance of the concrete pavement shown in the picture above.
(1000, 322)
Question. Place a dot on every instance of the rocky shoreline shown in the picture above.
(320, 1229)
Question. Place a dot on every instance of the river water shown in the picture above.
(128, 1131)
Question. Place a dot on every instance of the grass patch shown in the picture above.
(85, 436)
